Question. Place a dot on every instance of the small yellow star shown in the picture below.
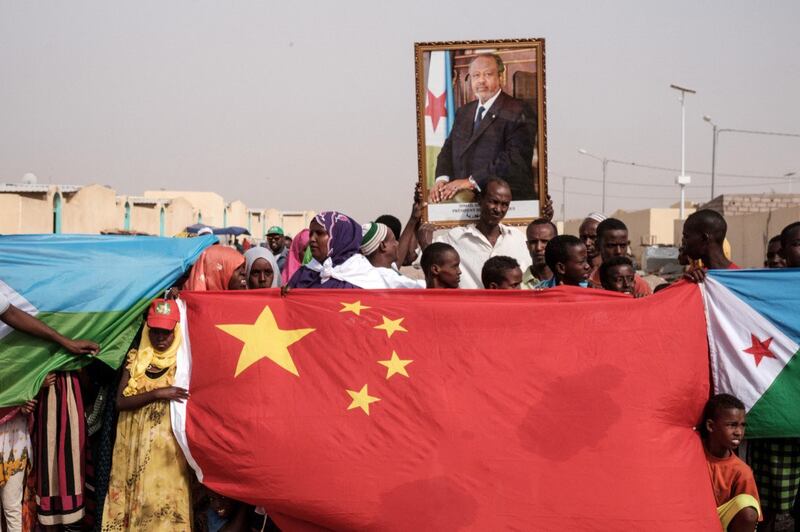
(263, 339)
(361, 399)
(391, 326)
(355, 307)
(395, 365)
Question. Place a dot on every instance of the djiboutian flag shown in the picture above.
(753, 334)
(565, 409)
(84, 286)
(435, 111)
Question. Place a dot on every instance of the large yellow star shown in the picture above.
(356, 307)
(361, 399)
(391, 326)
(263, 339)
(395, 365)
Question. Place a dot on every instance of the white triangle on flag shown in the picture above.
(732, 324)
(16, 299)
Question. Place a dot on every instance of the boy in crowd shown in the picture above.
(566, 257)
(612, 241)
(380, 247)
(703, 238)
(440, 264)
(539, 232)
(501, 273)
(617, 274)
(722, 430)
(774, 258)
(790, 245)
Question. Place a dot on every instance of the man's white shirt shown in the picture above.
(475, 249)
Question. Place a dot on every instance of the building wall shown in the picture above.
(90, 210)
(210, 204)
(26, 213)
(179, 215)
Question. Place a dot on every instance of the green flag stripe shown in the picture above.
(25, 360)
(776, 414)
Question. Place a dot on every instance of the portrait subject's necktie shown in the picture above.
(478, 119)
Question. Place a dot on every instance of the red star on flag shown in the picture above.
(435, 107)
(759, 349)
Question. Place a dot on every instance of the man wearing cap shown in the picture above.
(276, 242)
(380, 246)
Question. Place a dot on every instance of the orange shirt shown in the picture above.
(730, 477)
(640, 286)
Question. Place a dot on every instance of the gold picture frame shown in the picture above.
(509, 137)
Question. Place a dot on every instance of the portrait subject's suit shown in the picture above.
(501, 146)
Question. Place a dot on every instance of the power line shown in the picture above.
(654, 185)
(697, 172)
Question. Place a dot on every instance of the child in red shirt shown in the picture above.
(722, 430)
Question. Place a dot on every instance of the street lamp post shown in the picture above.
(717, 130)
(605, 162)
(683, 179)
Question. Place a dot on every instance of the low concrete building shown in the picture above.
(41, 209)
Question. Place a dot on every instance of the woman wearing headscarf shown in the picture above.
(297, 256)
(218, 268)
(334, 240)
(261, 269)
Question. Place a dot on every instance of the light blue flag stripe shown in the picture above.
(94, 273)
(773, 293)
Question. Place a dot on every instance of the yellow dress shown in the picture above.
(149, 487)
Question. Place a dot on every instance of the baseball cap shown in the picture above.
(163, 314)
(275, 230)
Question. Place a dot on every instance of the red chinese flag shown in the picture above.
(566, 409)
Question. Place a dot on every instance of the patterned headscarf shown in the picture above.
(344, 239)
(214, 268)
(345, 235)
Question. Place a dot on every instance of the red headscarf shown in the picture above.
(214, 268)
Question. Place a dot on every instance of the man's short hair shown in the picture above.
(717, 404)
(492, 179)
(494, 270)
(392, 223)
(606, 266)
(610, 224)
(784, 236)
(543, 221)
(708, 221)
(557, 250)
(497, 59)
(434, 254)
(776, 238)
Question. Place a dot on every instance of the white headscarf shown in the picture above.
(255, 253)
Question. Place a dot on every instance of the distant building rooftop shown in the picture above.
(26, 188)
(735, 204)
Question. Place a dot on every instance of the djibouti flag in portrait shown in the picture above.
(84, 286)
(439, 112)
(753, 319)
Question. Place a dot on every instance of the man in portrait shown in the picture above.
(492, 136)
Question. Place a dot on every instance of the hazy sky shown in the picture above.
(311, 105)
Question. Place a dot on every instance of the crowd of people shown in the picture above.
(95, 449)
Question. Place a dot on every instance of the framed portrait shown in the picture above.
(481, 115)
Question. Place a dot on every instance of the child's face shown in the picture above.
(727, 429)
(449, 271)
(161, 339)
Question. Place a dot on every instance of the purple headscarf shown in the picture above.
(343, 242)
